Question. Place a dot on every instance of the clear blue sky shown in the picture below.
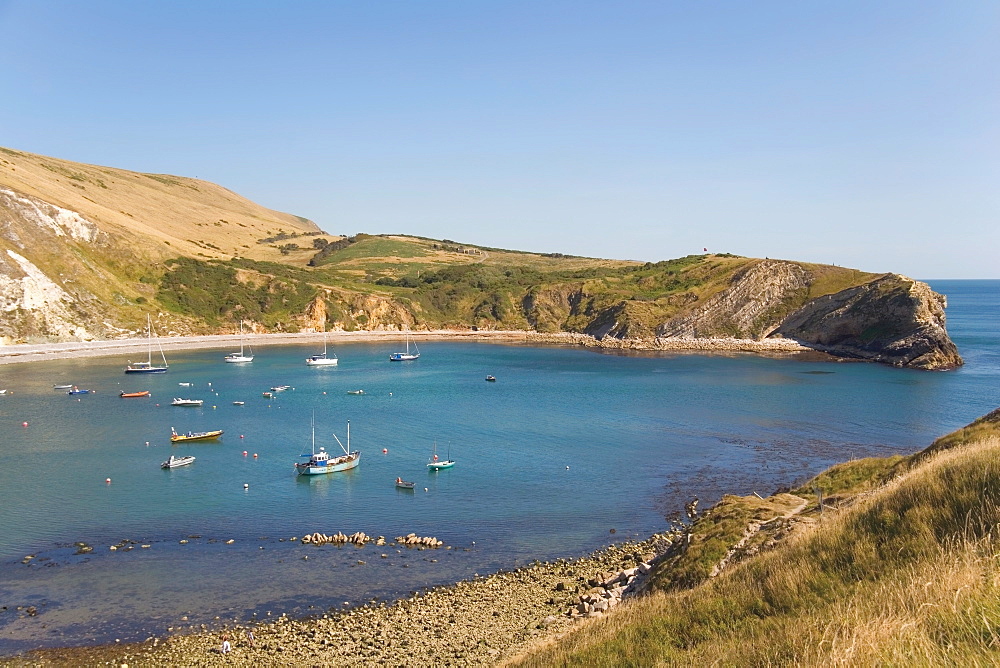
(863, 134)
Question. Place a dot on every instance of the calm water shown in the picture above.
(565, 446)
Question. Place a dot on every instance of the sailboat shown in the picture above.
(147, 366)
(436, 464)
(407, 356)
(240, 356)
(322, 462)
(321, 359)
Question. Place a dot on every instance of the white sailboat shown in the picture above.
(322, 461)
(147, 366)
(407, 356)
(241, 356)
(322, 359)
(436, 464)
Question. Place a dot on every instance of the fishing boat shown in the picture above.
(77, 390)
(407, 356)
(129, 395)
(194, 436)
(402, 484)
(148, 366)
(174, 462)
(186, 402)
(242, 356)
(436, 464)
(322, 359)
(321, 461)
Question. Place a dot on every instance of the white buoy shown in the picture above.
(246, 485)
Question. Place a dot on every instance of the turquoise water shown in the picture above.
(567, 445)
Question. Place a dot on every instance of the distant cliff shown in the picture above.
(87, 251)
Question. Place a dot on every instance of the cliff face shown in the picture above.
(894, 320)
(751, 307)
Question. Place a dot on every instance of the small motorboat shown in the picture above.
(77, 390)
(402, 484)
(194, 436)
(281, 388)
(174, 462)
(267, 395)
(186, 402)
(3, 391)
(491, 379)
(184, 384)
(238, 403)
(62, 387)
(128, 395)
(355, 391)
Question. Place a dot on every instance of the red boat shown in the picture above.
(126, 395)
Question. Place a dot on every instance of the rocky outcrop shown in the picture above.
(751, 307)
(894, 320)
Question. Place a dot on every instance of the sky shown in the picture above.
(857, 133)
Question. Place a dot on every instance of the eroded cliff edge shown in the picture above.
(893, 320)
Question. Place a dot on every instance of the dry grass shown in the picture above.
(908, 575)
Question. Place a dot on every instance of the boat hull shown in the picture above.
(152, 369)
(344, 463)
(198, 436)
(238, 359)
(437, 466)
(321, 361)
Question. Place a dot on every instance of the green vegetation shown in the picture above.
(215, 293)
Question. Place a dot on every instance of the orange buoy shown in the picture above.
(385, 451)
(255, 455)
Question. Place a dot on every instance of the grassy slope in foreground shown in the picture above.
(906, 571)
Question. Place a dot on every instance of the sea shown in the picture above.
(568, 451)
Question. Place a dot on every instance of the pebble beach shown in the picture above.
(483, 621)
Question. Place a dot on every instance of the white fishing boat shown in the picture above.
(323, 358)
(242, 356)
(186, 402)
(407, 356)
(174, 462)
(321, 461)
(436, 464)
(148, 366)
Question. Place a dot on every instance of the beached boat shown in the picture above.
(77, 390)
(436, 464)
(402, 484)
(186, 402)
(242, 356)
(194, 436)
(407, 356)
(174, 462)
(129, 395)
(148, 366)
(323, 358)
(322, 461)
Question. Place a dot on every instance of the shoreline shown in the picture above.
(29, 352)
(485, 620)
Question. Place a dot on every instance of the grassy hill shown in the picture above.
(902, 567)
(87, 251)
